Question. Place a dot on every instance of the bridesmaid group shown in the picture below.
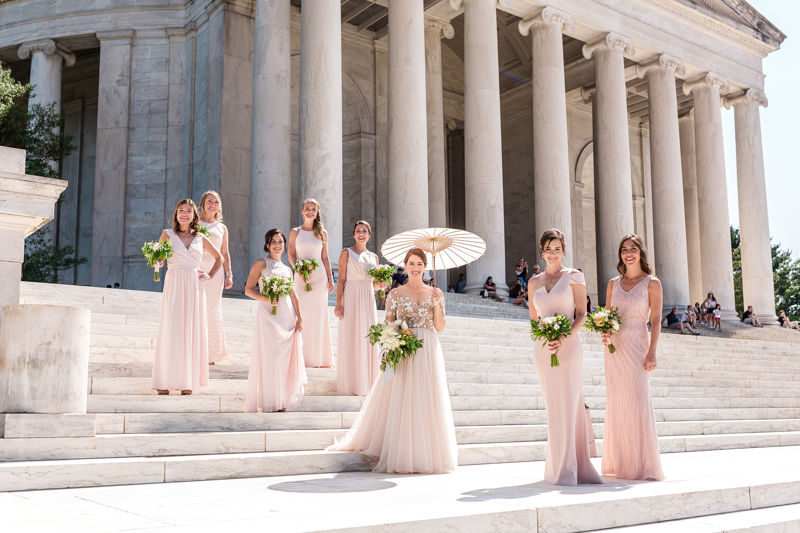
(406, 423)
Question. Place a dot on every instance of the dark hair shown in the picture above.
(487, 279)
(417, 252)
(639, 243)
(461, 275)
(268, 239)
(194, 225)
(362, 223)
(550, 235)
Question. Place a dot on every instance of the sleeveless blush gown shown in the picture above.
(217, 352)
(317, 349)
(357, 361)
(630, 437)
(181, 359)
(567, 433)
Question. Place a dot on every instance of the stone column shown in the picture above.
(667, 182)
(483, 144)
(271, 165)
(111, 164)
(712, 193)
(551, 184)
(613, 190)
(689, 172)
(757, 283)
(321, 114)
(47, 57)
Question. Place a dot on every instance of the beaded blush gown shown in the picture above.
(562, 387)
(217, 351)
(407, 422)
(630, 437)
(277, 376)
(181, 359)
(357, 360)
(317, 349)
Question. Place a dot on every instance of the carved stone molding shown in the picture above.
(547, 16)
(459, 4)
(687, 115)
(442, 25)
(662, 61)
(708, 79)
(749, 96)
(611, 40)
(587, 91)
(48, 47)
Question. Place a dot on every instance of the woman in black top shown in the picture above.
(516, 296)
(491, 289)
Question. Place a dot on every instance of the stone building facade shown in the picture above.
(505, 118)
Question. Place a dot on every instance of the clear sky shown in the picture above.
(780, 128)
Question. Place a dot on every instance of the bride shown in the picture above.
(406, 422)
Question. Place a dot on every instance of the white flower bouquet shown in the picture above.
(155, 252)
(397, 341)
(381, 274)
(306, 267)
(551, 328)
(604, 321)
(274, 288)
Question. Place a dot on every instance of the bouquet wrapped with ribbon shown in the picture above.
(155, 252)
(274, 288)
(551, 328)
(396, 340)
(306, 267)
(604, 321)
(381, 274)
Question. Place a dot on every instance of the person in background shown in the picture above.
(589, 308)
(109, 287)
(718, 318)
(784, 321)
(490, 290)
(399, 278)
(116, 285)
(516, 295)
(673, 322)
(748, 317)
(451, 289)
(689, 317)
(698, 311)
(536, 270)
(461, 284)
(710, 303)
(521, 271)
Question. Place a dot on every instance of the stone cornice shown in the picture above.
(459, 4)
(122, 36)
(709, 80)
(661, 61)
(610, 40)
(749, 96)
(440, 24)
(547, 16)
(48, 47)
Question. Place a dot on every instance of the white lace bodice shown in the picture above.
(416, 315)
(275, 268)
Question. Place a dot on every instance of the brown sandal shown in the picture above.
(163, 393)
(186, 393)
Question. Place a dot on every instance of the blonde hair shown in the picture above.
(194, 225)
(318, 226)
(201, 209)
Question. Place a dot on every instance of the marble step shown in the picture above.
(778, 519)
(216, 387)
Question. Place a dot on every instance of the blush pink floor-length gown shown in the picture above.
(317, 348)
(181, 359)
(407, 422)
(277, 376)
(357, 361)
(217, 352)
(630, 437)
(567, 433)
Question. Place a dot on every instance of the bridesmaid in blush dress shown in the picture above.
(277, 374)
(210, 211)
(181, 359)
(357, 361)
(630, 437)
(562, 291)
(310, 241)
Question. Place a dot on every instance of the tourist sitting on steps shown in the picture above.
(689, 317)
(748, 317)
(784, 321)
(490, 290)
(673, 322)
(516, 296)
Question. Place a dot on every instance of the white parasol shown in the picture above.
(444, 247)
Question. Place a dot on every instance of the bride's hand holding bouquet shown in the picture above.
(396, 340)
(551, 329)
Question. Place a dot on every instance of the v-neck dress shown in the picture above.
(181, 359)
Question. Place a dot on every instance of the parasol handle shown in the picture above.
(434, 270)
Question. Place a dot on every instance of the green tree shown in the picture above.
(44, 260)
(10, 90)
(736, 255)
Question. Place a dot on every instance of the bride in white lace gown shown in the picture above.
(406, 422)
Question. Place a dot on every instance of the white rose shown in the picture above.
(555, 326)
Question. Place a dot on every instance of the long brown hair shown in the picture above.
(268, 239)
(318, 226)
(552, 235)
(639, 243)
(194, 225)
(201, 210)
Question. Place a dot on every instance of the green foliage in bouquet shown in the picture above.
(551, 328)
(155, 252)
(306, 267)
(381, 274)
(604, 321)
(274, 288)
(397, 341)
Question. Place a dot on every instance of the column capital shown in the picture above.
(686, 115)
(459, 4)
(748, 96)
(661, 61)
(610, 40)
(440, 24)
(48, 47)
(547, 16)
(707, 79)
(587, 91)
(122, 36)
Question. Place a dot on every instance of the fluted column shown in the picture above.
(691, 214)
(551, 185)
(482, 143)
(47, 57)
(667, 181)
(270, 167)
(321, 113)
(758, 288)
(712, 195)
(612, 189)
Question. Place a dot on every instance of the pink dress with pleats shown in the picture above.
(407, 422)
(181, 359)
(217, 352)
(630, 437)
(357, 361)
(277, 374)
(317, 348)
(562, 387)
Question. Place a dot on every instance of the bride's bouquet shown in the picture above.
(155, 252)
(397, 341)
(604, 321)
(381, 274)
(551, 328)
(306, 267)
(274, 287)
